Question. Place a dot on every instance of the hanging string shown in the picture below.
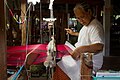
(27, 53)
(15, 77)
(19, 22)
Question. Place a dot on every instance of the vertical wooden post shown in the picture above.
(40, 27)
(23, 26)
(3, 66)
(106, 25)
(64, 25)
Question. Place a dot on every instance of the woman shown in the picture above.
(90, 38)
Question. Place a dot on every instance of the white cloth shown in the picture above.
(70, 66)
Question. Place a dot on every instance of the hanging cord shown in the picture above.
(19, 22)
(15, 77)
(27, 54)
(27, 38)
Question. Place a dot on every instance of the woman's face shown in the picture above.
(82, 16)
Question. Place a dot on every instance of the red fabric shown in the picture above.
(16, 54)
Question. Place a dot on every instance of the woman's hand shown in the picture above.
(69, 31)
(78, 52)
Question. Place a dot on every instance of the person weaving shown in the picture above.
(90, 41)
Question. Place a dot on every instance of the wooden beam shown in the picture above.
(23, 11)
(3, 66)
(66, 1)
(107, 25)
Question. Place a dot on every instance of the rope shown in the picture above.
(19, 22)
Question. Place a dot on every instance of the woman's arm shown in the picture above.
(69, 31)
(93, 48)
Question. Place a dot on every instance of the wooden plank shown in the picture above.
(3, 66)
(23, 10)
